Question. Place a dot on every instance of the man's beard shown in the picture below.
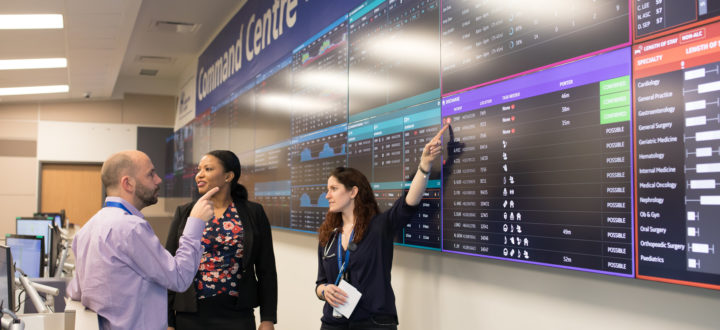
(146, 196)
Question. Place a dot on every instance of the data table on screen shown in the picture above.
(220, 126)
(490, 40)
(271, 179)
(387, 148)
(200, 137)
(275, 199)
(423, 229)
(309, 207)
(410, 48)
(313, 156)
(543, 165)
(319, 70)
(273, 97)
(366, 69)
(654, 16)
(242, 120)
(677, 87)
(316, 154)
(393, 55)
(247, 165)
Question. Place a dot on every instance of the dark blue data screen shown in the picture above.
(387, 147)
(484, 41)
(542, 171)
(312, 157)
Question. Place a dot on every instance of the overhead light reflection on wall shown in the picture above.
(274, 101)
(324, 80)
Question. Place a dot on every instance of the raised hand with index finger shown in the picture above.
(432, 150)
(203, 208)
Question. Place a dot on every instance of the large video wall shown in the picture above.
(584, 133)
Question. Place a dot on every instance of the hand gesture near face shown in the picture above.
(203, 208)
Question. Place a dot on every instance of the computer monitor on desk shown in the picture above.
(58, 217)
(27, 251)
(36, 227)
(56, 244)
(7, 279)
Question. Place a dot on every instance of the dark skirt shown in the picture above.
(216, 313)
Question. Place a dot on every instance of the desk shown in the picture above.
(85, 319)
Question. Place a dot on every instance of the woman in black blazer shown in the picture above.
(237, 270)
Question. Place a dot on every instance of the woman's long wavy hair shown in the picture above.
(231, 163)
(366, 207)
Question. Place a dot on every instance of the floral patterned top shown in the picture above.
(220, 264)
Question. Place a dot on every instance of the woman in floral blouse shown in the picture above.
(237, 270)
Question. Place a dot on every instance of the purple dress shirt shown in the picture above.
(123, 272)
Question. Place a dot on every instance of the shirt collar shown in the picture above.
(125, 203)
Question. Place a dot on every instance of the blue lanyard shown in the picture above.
(118, 205)
(342, 265)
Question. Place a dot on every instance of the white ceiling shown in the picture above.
(103, 40)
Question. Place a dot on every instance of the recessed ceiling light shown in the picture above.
(154, 59)
(34, 90)
(148, 72)
(178, 27)
(34, 63)
(39, 21)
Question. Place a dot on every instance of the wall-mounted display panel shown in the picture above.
(319, 71)
(242, 120)
(486, 41)
(313, 156)
(654, 18)
(543, 173)
(271, 177)
(273, 97)
(677, 87)
(393, 52)
(569, 146)
(387, 148)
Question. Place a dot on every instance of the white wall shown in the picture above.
(83, 142)
(442, 291)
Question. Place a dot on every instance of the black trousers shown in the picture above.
(216, 313)
(374, 323)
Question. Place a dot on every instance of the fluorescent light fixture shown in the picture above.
(39, 21)
(35, 63)
(34, 90)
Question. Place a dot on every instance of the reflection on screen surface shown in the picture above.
(36, 227)
(27, 253)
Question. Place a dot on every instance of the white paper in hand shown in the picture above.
(352, 299)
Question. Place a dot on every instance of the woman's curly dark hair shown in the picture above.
(366, 207)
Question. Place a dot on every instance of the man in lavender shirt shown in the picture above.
(122, 271)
